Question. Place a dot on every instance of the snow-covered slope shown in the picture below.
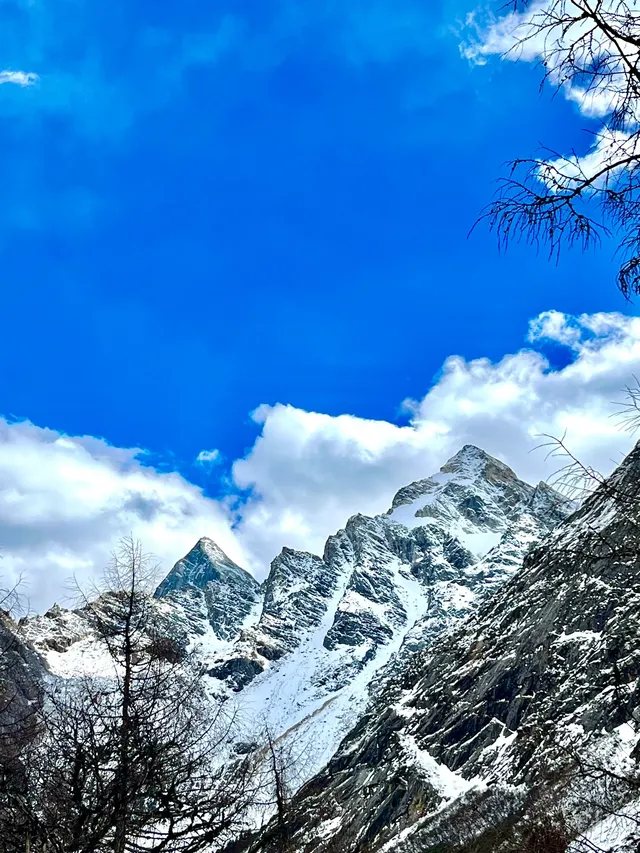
(384, 585)
(298, 654)
(524, 702)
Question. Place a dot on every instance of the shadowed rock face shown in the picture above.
(229, 592)
(553, 657)
(21, 677)
(295, 600)
(445, 541)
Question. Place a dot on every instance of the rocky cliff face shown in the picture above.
(207, 583)
(543, 674)
(465, 528)
(384, 587)
(22, 672)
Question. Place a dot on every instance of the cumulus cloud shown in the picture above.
(65, 501)
(555, 326)
(308, 471)
(19, 78)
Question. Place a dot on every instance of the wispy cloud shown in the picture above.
(103, 82)
(208, 458)
(106, 83)
(18, 78)
(556, 35)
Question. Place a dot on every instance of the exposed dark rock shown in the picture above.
(230, 593)
(296, 596)
(236, 671)
(554, 652)
(22, 672)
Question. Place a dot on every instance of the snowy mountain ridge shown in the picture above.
(300, 651)
(522, 719)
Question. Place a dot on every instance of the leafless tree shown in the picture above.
(279, 767)
(20, 703)
(129, 759)
(591, 49)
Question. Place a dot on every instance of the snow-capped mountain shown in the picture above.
(314, 637)
(524, 702)
(212, 587)
(298, 653)
(440, 669)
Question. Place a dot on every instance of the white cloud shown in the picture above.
(209, 458)
(510, 36)
(64, 501)
(310, 471)
(19, 78)
(565, 174)
(557, 35)
(554, 326)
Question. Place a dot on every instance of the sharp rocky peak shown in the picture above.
(472, 493)
(205, 563)
(206, 582)
(470, 467)
(472, 461)
(211, 549)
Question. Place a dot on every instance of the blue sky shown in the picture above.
(212, 206)
(208, 206)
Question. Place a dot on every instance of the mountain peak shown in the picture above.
(227, 592)
(211, 549)
(470, 467)
(205, 563)
(472, 461)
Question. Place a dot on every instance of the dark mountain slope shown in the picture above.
(548, 666)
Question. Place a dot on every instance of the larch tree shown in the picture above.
(133, 758)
